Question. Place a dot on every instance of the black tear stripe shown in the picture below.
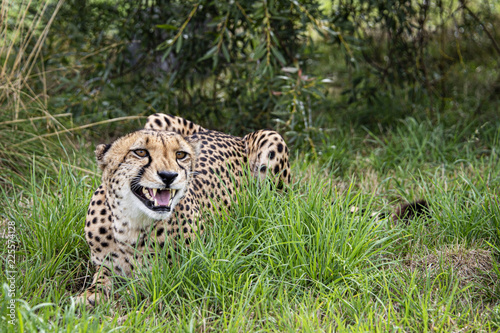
(180, 166)
(137, 178)
(149, 162)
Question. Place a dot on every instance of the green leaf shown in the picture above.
(166, 54)
(259, 51)
(215, 61)
(278, 55)
(178, 45)
(209, 53)
(226, 53)
(166, 27)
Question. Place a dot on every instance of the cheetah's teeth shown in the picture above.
(154, 192)
(156, 202)
(172, 193)
(146, 193)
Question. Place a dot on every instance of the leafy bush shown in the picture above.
(215, 62)
(410, 52)
(247, 64)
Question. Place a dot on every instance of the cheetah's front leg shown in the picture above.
(103, 248)
(99, 290)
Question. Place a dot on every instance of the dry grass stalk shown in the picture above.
(19, 51)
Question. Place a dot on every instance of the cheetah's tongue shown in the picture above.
(162, 197)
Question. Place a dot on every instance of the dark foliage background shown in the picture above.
(239, 65)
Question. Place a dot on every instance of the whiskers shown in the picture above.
(134, 185)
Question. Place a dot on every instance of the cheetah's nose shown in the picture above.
(167, 177)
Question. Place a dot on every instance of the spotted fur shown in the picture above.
(193, 169)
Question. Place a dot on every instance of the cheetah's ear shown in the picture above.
(100, 152)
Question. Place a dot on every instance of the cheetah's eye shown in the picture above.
(180, 155)
(141, 152)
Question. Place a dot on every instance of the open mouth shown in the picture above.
(156, 199)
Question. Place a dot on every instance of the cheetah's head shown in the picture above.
(146, 173)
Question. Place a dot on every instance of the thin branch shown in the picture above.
(35, 118)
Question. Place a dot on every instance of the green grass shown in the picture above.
(298, 260)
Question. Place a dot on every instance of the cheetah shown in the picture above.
(156, 184)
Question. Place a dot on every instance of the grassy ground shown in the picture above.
(286, 262)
